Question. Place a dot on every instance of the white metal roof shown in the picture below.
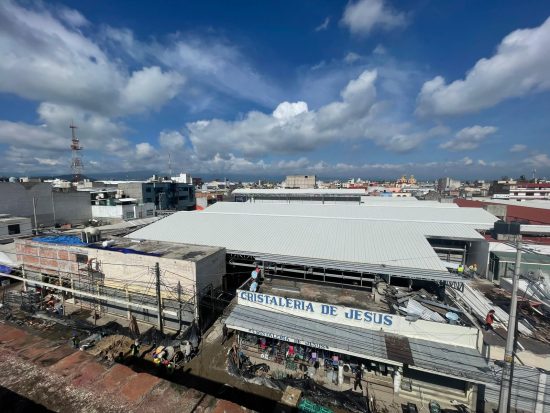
(284, 191)
(402, 244)
(476, 218)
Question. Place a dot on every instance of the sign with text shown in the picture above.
(341, 315)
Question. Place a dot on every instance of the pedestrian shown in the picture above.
(76, 341)
(225, 332)
(489, 320)
(358, 378)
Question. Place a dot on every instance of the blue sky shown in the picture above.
(368, 88)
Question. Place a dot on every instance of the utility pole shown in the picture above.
(34, 214)
(179, 303)
(506, 383)
(159, 303)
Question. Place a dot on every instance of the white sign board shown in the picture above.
(341, 315)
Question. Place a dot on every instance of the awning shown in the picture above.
(426, 355)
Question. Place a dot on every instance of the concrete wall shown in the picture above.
(67, 207)
(72, 207)
(17, 200)
(129, 211)
(25, 228)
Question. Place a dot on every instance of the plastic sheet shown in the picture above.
(61, 239)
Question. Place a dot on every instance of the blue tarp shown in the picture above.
(60, 239)
(5, 269)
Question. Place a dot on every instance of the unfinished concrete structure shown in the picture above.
(121, 277)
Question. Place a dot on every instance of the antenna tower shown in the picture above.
(76, 161)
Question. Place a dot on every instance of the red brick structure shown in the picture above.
(526, 214)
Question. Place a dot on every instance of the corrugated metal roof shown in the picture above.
(476, 218)
(535, 229)
(530, 390)
(400, 244)
(408, 272)
(284, 191)
(454, 361)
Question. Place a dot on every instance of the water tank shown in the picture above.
(90, 235)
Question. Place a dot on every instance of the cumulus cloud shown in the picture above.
(518, 147)
(287, 110)
(171, 139)
(521, 65)
(293, 128)
(36, 45)
(145, 150)
(30, 136)
(364, 16)
(469, 138)
(323, 25)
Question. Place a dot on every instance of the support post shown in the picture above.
(34, 215)
(159, 303)
(179, 304)
(506, 382)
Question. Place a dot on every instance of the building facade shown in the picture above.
(50, 207)
(119, 279)
(164, 194)
(300, 181)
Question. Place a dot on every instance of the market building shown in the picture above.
(328, 333)
(339, 244)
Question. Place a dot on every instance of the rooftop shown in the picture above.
(7, 219)
(186, 252)
(323, 293)
(391, 247)
(290, 192)
(475, 218)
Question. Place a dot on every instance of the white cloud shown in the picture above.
(469, 138)
(518, 147)
(171, 139)
(150, 88)
(467, 161)
(35, 45)
(521, 65)
(31, 137)
(364, 16)
(47, 161)
(323, 25)
(292, 128)
(541, 160)
(145, 150)
(288, 110)
(351, 58)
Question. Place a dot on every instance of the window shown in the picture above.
(148, 189)
(182, 198)
(14, 229)
(149, 212)
(148, 199)
(82, 259)
(129, 215)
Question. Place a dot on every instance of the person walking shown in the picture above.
(358, 378)
(225, 332)
(489, 320)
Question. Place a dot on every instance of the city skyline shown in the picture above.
(368, 88)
